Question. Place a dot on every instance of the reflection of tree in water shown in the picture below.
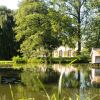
(71, 80)
(85, 78)
(30, 77)
(50, 76)
(10, 76)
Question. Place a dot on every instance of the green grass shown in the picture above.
(6, 62)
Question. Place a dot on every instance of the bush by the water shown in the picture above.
(79, 59)
(19, 60)
(83, 59)
(36, 60)
(63, 59)
(52, 60)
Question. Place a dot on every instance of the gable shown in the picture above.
(95, 52)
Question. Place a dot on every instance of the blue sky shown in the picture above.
(12, 4)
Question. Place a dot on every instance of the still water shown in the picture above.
(78, 80)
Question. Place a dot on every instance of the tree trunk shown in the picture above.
(79, 47)
(79, 32)
(79, 39)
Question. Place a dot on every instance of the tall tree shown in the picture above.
(78, 10)
(34, 29)
(7, 35)
(93, 32)
(37, 28)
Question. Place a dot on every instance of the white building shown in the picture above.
(95, 55)
(95, 75)
(63, 51)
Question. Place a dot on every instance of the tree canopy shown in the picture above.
(92, 39)
(79, 11)
(39, 28)
(7, 35)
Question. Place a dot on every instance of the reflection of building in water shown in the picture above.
(95, 75)
(71, 74)
(10, 75)
(67, 69)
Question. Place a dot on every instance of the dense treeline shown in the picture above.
(38, 27)
(8, 45)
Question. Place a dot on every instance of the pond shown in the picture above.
(34, 81)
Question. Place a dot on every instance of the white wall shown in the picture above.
(95, 56)
(63, 49)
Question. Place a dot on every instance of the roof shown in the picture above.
(95, 51)
(64, 48)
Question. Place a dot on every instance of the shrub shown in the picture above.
(36, 60)
(63, 59)
(19, 60)
(83, 59)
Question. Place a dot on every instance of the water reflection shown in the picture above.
(77, 80)
(10, 75)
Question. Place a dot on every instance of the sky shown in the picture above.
(11, 4)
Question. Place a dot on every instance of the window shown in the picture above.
(69, 53)
(60, 53)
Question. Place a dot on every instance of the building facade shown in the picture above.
(63, 51)
(95, 55)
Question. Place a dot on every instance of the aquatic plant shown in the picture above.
(12, 95)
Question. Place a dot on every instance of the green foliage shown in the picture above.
(36, 60)
(8, 44)
(83, 59)
(78, 10)
(19, 60)
(6, 62)
(63, 60)
(93, 34)
(79, 59)
(39, 29)
(32, 27)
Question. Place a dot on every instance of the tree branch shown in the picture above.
(82, 2)
(74, 15)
